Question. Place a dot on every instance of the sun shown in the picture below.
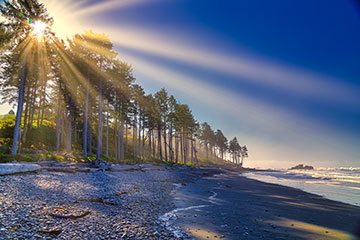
(38, 28)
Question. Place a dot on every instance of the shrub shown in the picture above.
(17, 157)
(4, 149)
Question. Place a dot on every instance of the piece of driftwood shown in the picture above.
(70, 216)
(51, 231)
(66, 169)
(100, 200)
(122, 193)
(18, 173)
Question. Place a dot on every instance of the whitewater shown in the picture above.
(339, 184)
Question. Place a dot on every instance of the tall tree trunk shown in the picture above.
(207, 150)
(154, 147)
(33, 103)
(99, 140)
(126, 137)
(165, 144)
(171, 151)
(39, 113)
(134, 137)
(159, 144)
(75, 129)
(116, 139)
(19, 150)
(58, 119)
(107, 134)
(25, 123)
(177, 148)
(30, 113)
(143, 141)
(27, 90)
(182, 147)
(90, 148)
(86, 120)
(195, 152)
(149, 153)
(32, 116)
(186, 141)
(62, 127)
(68, 135)
(42, 114)
(139, 140)
(192, 151)
(122, 133)
(19, 108)
(118, 148)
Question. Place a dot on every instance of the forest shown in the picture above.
(76, 99)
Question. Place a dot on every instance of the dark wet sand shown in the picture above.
(240, 208)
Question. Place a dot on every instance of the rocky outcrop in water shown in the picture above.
(302, 167)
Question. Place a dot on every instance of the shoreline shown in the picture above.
(311, 182)
(289, 213)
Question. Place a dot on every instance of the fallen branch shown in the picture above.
(70, 216)
(100, 200)
(18, 173)
(51, 231)
(66, 169)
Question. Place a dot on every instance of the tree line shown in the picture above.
(83, 87)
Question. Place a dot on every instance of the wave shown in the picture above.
(342, 184)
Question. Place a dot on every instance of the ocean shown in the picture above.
(340, 184)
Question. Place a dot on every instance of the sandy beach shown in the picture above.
(230, 206)
(162, 202)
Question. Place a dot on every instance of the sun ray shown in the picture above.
(260, 72)
(108, 5)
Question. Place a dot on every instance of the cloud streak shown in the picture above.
(258, 72)
(108, 5)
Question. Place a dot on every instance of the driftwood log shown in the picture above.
(70, 216)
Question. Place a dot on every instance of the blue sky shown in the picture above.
(283, 76)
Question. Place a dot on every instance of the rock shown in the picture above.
(302, 167)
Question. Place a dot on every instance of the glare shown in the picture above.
(39, 28)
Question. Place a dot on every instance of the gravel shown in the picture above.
(121, 205)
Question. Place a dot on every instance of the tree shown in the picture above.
(172, 122)
(207, 137)
(243, 154)
(186, 127)
(234, 149)
(162, 99)
(138, 95)
(17, 31)
(221, 142)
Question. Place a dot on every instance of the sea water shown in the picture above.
(340, 184)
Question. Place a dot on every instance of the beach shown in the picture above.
(235, 207)
(163, 202)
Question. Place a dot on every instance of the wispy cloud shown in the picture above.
(108, 5)
(278, 77)
(256, 112)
